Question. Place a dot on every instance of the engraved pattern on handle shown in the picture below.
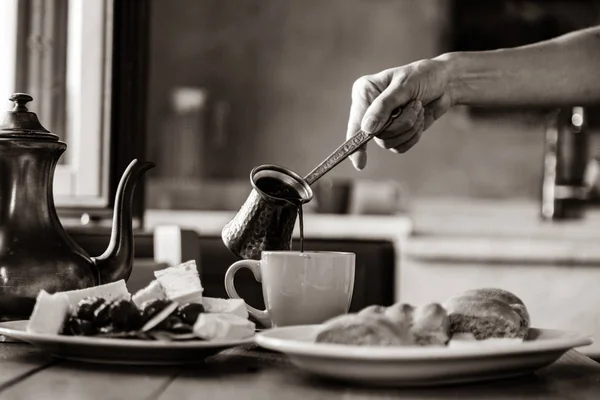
(346, 149)
(339, 155)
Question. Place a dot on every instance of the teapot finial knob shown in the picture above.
(20, 100)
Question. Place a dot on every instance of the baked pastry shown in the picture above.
(401, 314)
(488, 313)
(431, 325)
(398, 325)
(374, 309)
(367, 329)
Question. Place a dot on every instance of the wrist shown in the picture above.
(451, 66)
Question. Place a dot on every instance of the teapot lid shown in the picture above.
(20, 123)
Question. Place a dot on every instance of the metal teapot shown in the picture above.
(35, 250)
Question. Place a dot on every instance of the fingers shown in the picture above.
(405, 121)
(357, 110)
(382, 107)
(406, 131)
(404, 147)
(359, 158)
(398, 140)
(364, 91)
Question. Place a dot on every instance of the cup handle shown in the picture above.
(261, 316)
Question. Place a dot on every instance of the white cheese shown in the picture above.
(154, 291)
(223, 327)
(49, 313)
(228, 306)
(181, 281)
(191, 297)
(109, 291)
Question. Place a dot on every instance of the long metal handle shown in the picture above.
(338, 155)
(346, 149)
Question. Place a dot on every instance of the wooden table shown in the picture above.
(251, 373)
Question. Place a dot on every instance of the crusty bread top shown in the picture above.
(495, 293)
(489, 294)
(474, 306)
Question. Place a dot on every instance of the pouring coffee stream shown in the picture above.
(267, 218)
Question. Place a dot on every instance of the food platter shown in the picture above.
(167, 322)
(119, 351)
(419, 366)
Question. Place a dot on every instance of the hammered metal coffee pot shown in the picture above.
(265, 222)
(35, 250)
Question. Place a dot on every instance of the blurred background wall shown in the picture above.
(277, 77)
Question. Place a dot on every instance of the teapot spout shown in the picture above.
(117, 261)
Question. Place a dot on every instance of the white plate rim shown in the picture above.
(268, 339)
(21, 334)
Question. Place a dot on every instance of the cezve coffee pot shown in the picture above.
(35, 250)
(266, 220)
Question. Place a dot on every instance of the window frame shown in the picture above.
(105, 93)
(83, 180)
(8, 48)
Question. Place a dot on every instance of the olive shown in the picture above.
(107, 329)
(102, 315)
(181, 327)
(79, 327)
(124, 315)
(168, 323)
(152, 307)
(189, 312)
(86, 307)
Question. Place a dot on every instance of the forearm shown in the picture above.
(561, 71)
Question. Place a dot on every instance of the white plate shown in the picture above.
(417, 366)
(119, 351)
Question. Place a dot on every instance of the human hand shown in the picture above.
(420, 89)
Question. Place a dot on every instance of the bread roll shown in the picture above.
(368, 329)
(488, 313)
(401, 315)
(374, 309)
(431, 326)
(398, 325)
(503, 295)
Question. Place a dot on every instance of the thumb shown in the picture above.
(359, 158)
(382, 107)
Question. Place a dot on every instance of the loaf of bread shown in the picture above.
(488, 313)
(398, 325)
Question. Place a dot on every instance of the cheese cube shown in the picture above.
(226, 306)
(154, 291)
(180, 281)
(49, 313)
(191, 297)
(223, 327)
(109, 291)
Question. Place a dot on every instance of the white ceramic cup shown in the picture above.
(299, 288)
